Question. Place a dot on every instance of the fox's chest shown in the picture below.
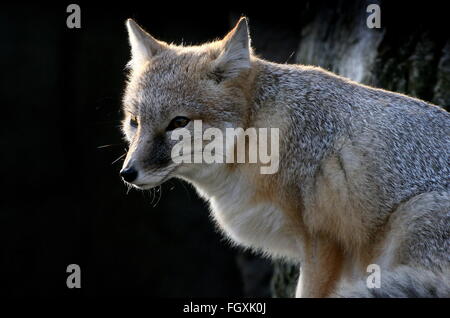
(258, 225)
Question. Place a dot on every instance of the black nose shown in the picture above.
(129, 174)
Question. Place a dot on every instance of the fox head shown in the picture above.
(171, 86)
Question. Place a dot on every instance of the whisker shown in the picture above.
(160, 195)
(172, 183)
(152, 191)
(106, 146)
(119, 158)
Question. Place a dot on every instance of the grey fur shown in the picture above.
(405, 282)
(367, 169)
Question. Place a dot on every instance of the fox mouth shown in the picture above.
(144, 186)
(148, 186)
(152, 179)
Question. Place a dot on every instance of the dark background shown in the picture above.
(62, 199)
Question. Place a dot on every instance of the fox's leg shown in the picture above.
(415, 261)
(320, 270)
(420, 233)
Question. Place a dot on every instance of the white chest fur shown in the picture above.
(257, 225)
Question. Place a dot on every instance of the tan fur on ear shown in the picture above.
(235, 55)
(143, 45)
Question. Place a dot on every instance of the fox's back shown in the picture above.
(405, 142)
(402, 142)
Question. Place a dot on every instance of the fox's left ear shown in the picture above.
(143, 45)
(235, 55)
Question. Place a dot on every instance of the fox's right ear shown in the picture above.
(236, 50)
(143, 45)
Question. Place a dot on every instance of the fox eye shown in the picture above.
(178, 122)
(133, 121)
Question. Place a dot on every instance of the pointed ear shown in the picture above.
(235, 55)
(143, 45)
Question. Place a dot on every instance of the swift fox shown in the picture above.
(363, 174)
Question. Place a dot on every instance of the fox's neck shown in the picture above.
(211, 179)
(244, 211)
(300, 101)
